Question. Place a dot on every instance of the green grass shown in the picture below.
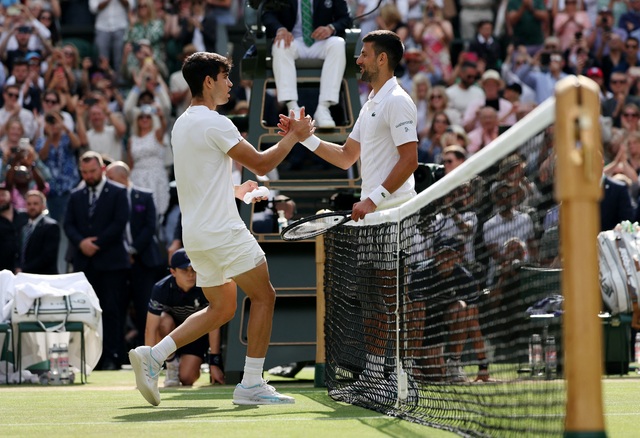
(110, 406)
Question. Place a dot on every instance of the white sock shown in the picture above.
(292, 105)
(163, 349)
(253, 367)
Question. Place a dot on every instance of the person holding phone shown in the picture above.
(571, 24)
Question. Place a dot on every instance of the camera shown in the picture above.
(89, 101)
(578, 35)
(50, 119)
(24, 29)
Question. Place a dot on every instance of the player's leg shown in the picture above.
(456, 317)
(253, 389)
(172, 364)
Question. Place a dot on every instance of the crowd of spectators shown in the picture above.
(473, 67)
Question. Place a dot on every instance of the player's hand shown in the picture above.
(302, 128)
(244, 188)
(361, 209)
(216, 375)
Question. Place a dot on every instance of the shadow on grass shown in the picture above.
(171, 413)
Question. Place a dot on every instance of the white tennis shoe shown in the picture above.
(172, 377)
(147, 370)
(261, 394)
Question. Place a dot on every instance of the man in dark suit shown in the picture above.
(615, 205)
(142, 245)
(319, 36)
(95, 222)
(40, 238)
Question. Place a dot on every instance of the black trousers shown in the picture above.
(110, 287)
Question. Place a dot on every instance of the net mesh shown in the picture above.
(446, 310)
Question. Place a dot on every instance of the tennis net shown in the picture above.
(447, 310)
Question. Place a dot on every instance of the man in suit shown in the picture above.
(141, 244)
(40, 238)
(321, 38)
(95, 221)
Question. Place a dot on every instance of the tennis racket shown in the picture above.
(315, 225)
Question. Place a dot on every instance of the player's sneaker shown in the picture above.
(147, 370)
(172, 377)
(369, 387)
(261, 394)
(455, 372)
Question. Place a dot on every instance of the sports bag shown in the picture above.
(62, 309)
(619, 261)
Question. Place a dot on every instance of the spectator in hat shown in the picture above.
(36, 66)
(491, 84)
(173, 299)
(453, 156)
(595, 73)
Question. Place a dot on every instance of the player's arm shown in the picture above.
(151, 330)
(215, 358)
(404, 168)
(342, 156)
(261, 162)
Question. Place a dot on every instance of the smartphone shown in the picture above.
(24, 143)
(89, 101)
(545, 58)
(578, 35)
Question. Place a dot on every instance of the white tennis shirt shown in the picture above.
(387, 120)
(201, 139)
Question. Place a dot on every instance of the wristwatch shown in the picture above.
(333, 29)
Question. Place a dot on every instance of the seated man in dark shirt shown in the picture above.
(443, 313)
(173, 300)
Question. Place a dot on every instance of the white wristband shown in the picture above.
(379, 195)
(311, 143)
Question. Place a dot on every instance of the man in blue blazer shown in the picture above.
(95, 221)
(40, 238)
(142, 245)
(615, 205)
(329, 19)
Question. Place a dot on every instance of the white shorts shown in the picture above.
(217, 266)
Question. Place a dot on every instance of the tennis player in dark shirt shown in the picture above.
(173, 300)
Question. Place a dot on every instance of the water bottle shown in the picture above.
(535, 355)
(54, 366)
(550, 357)
(63, 363)
(282, 221)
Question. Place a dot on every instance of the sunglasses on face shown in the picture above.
(436, 96)
(630, 114)
(618, 81)
(13, 95)
(51, 101)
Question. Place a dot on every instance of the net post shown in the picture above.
(319, 379)
(578, 178)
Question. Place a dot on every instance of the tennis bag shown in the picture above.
(619, 261)
(61, 309)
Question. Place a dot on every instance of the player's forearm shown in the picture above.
(336, 154)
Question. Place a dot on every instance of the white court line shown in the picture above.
(191, 420)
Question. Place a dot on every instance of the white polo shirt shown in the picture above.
(201, 139)
(387, 120)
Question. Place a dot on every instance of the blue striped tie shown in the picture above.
(92, 201)
(26, 235)
(307, 21)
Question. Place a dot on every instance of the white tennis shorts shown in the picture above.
(217, 266)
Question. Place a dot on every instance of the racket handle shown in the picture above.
(260, 192)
